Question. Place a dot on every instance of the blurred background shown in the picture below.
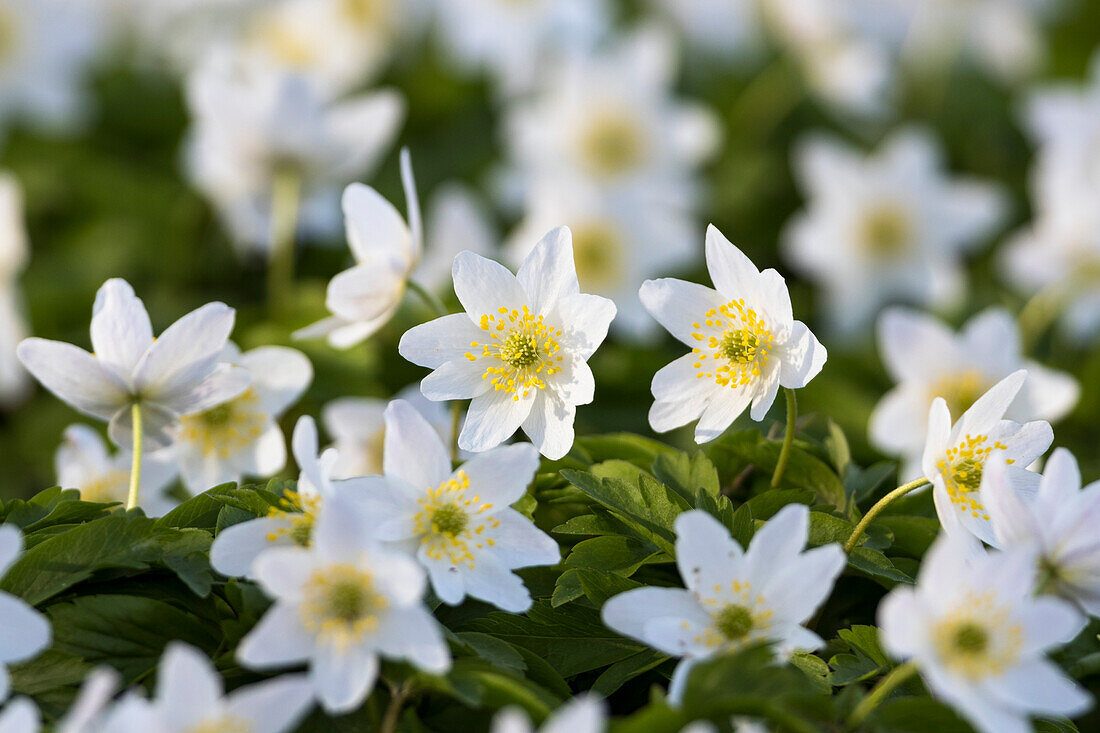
(944, 157)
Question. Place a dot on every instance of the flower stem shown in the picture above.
(429, 298)
(885, 686)
(1039, 312)
(456, 418)
(398, 697)
(878, 507)
(135, 466)
(788, 437)
(285, 202)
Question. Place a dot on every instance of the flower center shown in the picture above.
(737, 342)
(886, 231)
(978, 638)
(107, 487)
(734, 621)
(597, 251)
(341, 603)
(221, 724)
(960, 391)
(227, 429)
(522, 350)
(612, 144)
(962, 469)
(452, 525)
(301, 511)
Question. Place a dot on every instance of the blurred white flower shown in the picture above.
(1064, 119)
(176, 374)
(358, 429)
(46, 49)
(956, 455)
(977, 636)
(458, 524)
(618, 241)
(291, 523)
(927, 360)
(734, 597)
(179, 34)
(514, 41)
(339, 605)
(582, 714)
(727, 28)
(609, 119)
(1059, 523)
(20, 716)
(744, 342)
(1005, 37)
(190, 697)
(26, 631)
(389, 253)
(91, 701)
(83, 462)
(242, 437)
(15, 383)
(251, 126)
(886, 226)
(520, 350)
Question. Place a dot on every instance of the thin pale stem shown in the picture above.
(398, 697)
(1040, 311)
(456, 419)
(877, 509)
(788, 437)
(135, 466)
(429, 298)
(285, 203)
(885, 686)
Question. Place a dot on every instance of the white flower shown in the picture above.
(582, 714)
(83, 462)
(388, 253)
(20, 716)
(1059, 522)
(176, 374)
(190, 696)
(513, 41)
(955, 456)
(26, 631)
(978, 636)
(459, 524)
(520, 350)
(291, 523)
(48, 49)
(358, 428)
(338, 606)
(251, 126)
(927, 360)
(730, 28)
(884, 227)
(733, 597)
(618, 241)
(15, 383)
(610, 120)
(242, 437)
(744, 342)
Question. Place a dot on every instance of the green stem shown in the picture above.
(456, 418)
(285, 202)
(1039, 312)
(398, 697)
(429, 298)
(877, 509)
(788, 437)
(135, 466)
(885, 686)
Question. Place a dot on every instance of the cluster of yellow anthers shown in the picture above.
(962, 471)
(341, 604)
(978, 638)
(960, 390)
(740, 353)
(227, 428)
(109, 486)
(451, 525)
(523, 348)
(301, 511)
(734, 623)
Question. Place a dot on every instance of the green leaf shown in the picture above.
(598, 586)
(878, 566)
(619, 673)
(51, 678)
(650, 506)
(911, 535)
(623, 555)
(804, 470)
(52, 507)
(567, 588)
(764, 506)
(199, 511)
(919, 715)
(638, 450)
(498, 653)
(815, 669)
(686, 475)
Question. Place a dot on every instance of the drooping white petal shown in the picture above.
(723, 407)
(491, 581)
(193, 338)
(75, 376)
(158, 426)
(805, 357)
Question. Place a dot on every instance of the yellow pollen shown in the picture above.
(734, 345)
(521, 350)
(598, 253)
(301, 511)
(612, 144)
(452, 525)
(734, 621)
(978, 638)
(109, 486)
(341, 604)
(228, 428)
(961, 390)
(886, 231)
(962, 470)
(221, 724)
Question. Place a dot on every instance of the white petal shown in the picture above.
(550, 425)
(582, 714)
(765, 397)
(898, 423)
(939, 433)
(188, 687)
(11, 544)
(1051, 394)
(24, 633)
(903, 623)
(1061, 478)
(1048, 623)
(494, 583)
(988, 409)
(75, 376)
(706, 554)
(677, 305)
(492, 418)
(377, 233)
(343, 677)
(1040, 687)
(279, 376)
(519, 543)
(219, 383)
(438, 341)
(805, 356)
(778, 542)
(304, 446)
(733, 273)
(484, 286)
(723, 407)
(194, 338)
(802, 586)
(501, 475)
(19, 716)
(574, 384)
(460, 379)
(284, 571)
(906, 339)
(276, 705)
(277, 640)
(158, 427)
(413, 634)
(629, 613)
(413, 450)
(121, 332)
(366, 292)
(236, 547)
(1027, 442)
(585, 319)
(548, 273)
